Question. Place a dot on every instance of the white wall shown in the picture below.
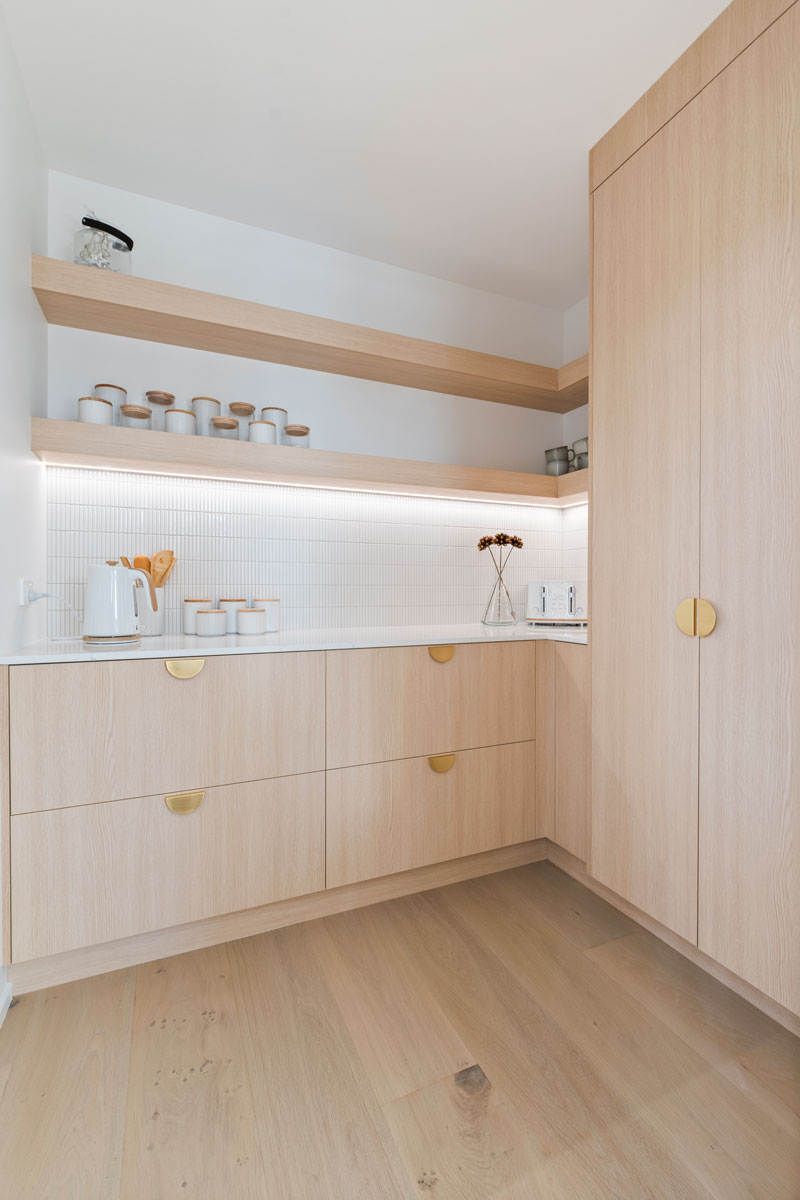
(194, 249)
(23, 200)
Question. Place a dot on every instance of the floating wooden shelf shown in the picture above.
(83, 298)
(70, 443)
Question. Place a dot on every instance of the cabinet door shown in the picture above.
(394, 816)
(82, 733)
(107, 871)
(645, 535)
(400, 702)
(749, 901)
(572, 748)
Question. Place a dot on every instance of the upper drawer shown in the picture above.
(88, 732)
(401, 702)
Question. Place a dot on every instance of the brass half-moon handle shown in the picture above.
(441, 762)
(695, 617)
(441, 653)
(184, 802)
(184, 668)
(706, 618)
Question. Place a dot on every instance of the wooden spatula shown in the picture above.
(141, 562)
(162, 563)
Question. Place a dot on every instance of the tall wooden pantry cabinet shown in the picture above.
(696, 519)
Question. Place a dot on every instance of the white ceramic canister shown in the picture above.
(116, 395)
(93, 410)
(279, 417)
(264, 432)
(204, 408)
(225, 427)
(251, 620)
(297, 435)
(135, 416)
(231, 607)
(272, 608)
(154, 625)
(180, 420)
(243, 413)
(159, 403)
(190, 610)
(211, 622)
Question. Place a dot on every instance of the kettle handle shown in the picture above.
(150, 590)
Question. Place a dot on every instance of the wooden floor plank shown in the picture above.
(190, 1128)
(324, 1135)
(587, 1141)
(743, 1044)
(733, 1146)
(401, 1034)
(581, 917)
(62, 1113)
(460, 1139)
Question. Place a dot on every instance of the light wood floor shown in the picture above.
(511, 1037)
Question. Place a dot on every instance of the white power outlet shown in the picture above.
(24, 594)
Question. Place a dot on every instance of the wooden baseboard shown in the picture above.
(163, 943)
(572, 866)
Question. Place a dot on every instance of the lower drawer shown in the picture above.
(104, 871)
(394, 816)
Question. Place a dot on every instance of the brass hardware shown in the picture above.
(441, 654)
(695, 617)
(706, 618)
(184, 802)
(441, 762)
(184, 668)
(685, 616)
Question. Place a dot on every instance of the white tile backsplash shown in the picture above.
(334, 558)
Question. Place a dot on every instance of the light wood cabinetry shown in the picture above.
(645, 525)
(90, 732)
(749, 905)
(571, 757)
(400, 702)
(696, 379)
(388, 817)
(106, 871)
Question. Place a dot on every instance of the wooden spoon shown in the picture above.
(161, 562)
(141, 562)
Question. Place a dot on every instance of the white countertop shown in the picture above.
(184, 646)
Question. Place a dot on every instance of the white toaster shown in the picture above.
(557, 600)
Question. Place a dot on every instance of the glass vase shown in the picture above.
(499, 610)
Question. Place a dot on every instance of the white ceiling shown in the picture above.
(446, 136)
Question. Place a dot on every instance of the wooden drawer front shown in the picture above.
(388, 817)
(106, 871)
(400, 703)
(88, 732)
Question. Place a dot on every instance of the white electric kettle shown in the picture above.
(118, 602)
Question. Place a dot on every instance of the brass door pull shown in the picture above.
(695, 617)
(441, 762)
(441, 654)
(184, 668)
(183, 803)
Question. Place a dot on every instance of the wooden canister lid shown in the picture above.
(297, 430)
(221, 611)
(272, 423)
(272, 408)
(97, 399)
(211, 398)
(160, 397)
(135, 410)
(242, 409)
(234, 600)
(116, 387)
(199, 600)
(224, 422)
(183, 410)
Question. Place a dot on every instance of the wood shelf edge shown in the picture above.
(72, 443)
(575, 485)
(81, 298)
